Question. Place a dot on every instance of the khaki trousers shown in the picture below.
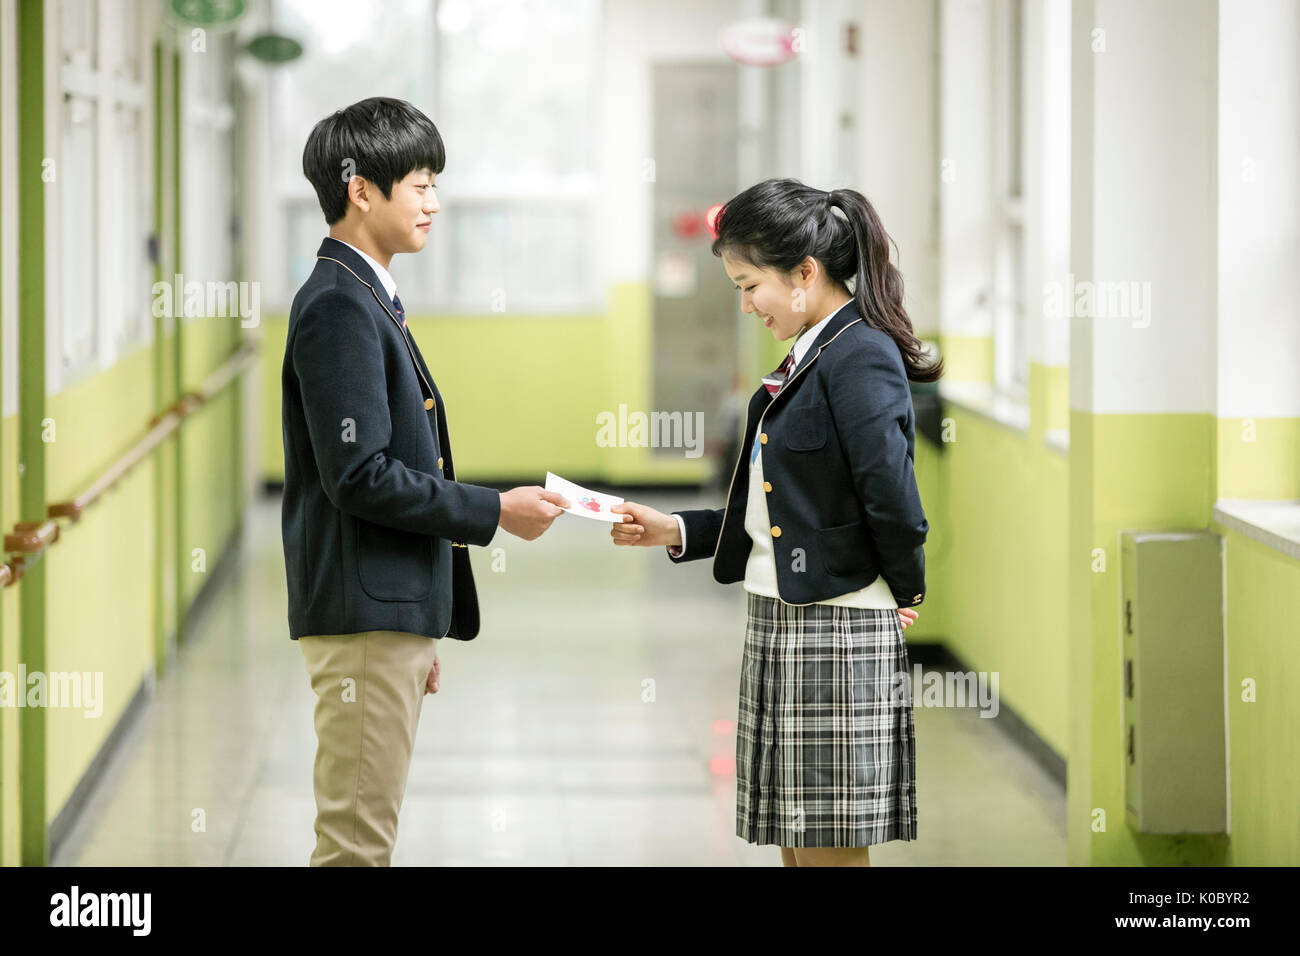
(369, 693)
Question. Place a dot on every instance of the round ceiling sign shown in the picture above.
(761, 41)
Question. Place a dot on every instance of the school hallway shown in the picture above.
(538, 749)
(982, 309)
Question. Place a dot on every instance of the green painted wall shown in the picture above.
(208, 506)
(10, 607)
(99, 612)
(101, 575)
(1017, 586)
(996, 558)
(967, 358)
(522, 393)
(1148, 472)
(1263, 608)
(1258, 458)
(1160, 472)
(105, 592)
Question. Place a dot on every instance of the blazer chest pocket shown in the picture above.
(845, 548)
(805, 427)
(394, 565)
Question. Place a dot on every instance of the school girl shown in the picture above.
(823, 523)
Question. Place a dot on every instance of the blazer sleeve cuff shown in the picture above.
(908, 586)
(673, 550)
(699, 534)
(483, 514)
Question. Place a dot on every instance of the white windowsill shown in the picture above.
(986, 401)
(1058, 440)
(1272, 523)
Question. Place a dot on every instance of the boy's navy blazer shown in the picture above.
(371, 506)
(837, 445)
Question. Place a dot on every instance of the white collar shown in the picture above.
(805, 341)
(388, 282)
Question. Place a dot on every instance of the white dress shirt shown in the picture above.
(760, 570)
(388, 282)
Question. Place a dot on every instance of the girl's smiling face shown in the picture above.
(771, 295)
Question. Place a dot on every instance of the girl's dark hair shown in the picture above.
(380, 139)
(779, 222)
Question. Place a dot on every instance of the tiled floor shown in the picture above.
(543, 746)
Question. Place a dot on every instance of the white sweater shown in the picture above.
(760, 571)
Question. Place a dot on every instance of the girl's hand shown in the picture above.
(906, 616)
(645, 527)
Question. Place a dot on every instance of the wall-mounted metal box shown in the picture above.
(1175, 747)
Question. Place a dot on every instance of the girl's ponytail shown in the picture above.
(878, 285)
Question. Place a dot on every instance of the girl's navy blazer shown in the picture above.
(837, 444)
(371, 506)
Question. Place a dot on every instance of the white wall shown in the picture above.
(897, 116)
(1150, 143)
(1259, 209)
(633, 37)
(965, 174)
(1047, 51)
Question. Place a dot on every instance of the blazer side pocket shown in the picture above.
(805, 427)
(845, 548)
(394, 565)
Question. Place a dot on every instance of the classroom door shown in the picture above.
(696, 131)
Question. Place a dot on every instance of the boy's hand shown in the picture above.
(644, 526)
(431, 682)
(528, 511)
(906, 616)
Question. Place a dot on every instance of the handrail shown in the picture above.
(226, 372)
(137, 453)
(31, 538)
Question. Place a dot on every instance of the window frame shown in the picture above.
(114, 328)
(1009, 307)
(579, 193)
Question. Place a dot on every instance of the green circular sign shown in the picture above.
(274, 48)
(209, 13)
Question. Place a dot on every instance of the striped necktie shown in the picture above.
(401, 314)
(774, 380)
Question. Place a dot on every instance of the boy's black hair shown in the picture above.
(381, 139)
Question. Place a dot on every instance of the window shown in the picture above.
(1010, 329)
(520, 181)
(207, 169)
(100, 296)
(512, 87)
(9, 207)
(346, 57)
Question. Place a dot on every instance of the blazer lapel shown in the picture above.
(339, 252)
(345, 255)
(843, 319)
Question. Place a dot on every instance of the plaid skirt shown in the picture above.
(825, 745)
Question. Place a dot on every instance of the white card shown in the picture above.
(586, 504)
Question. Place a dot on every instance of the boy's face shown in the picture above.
(402, 223)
